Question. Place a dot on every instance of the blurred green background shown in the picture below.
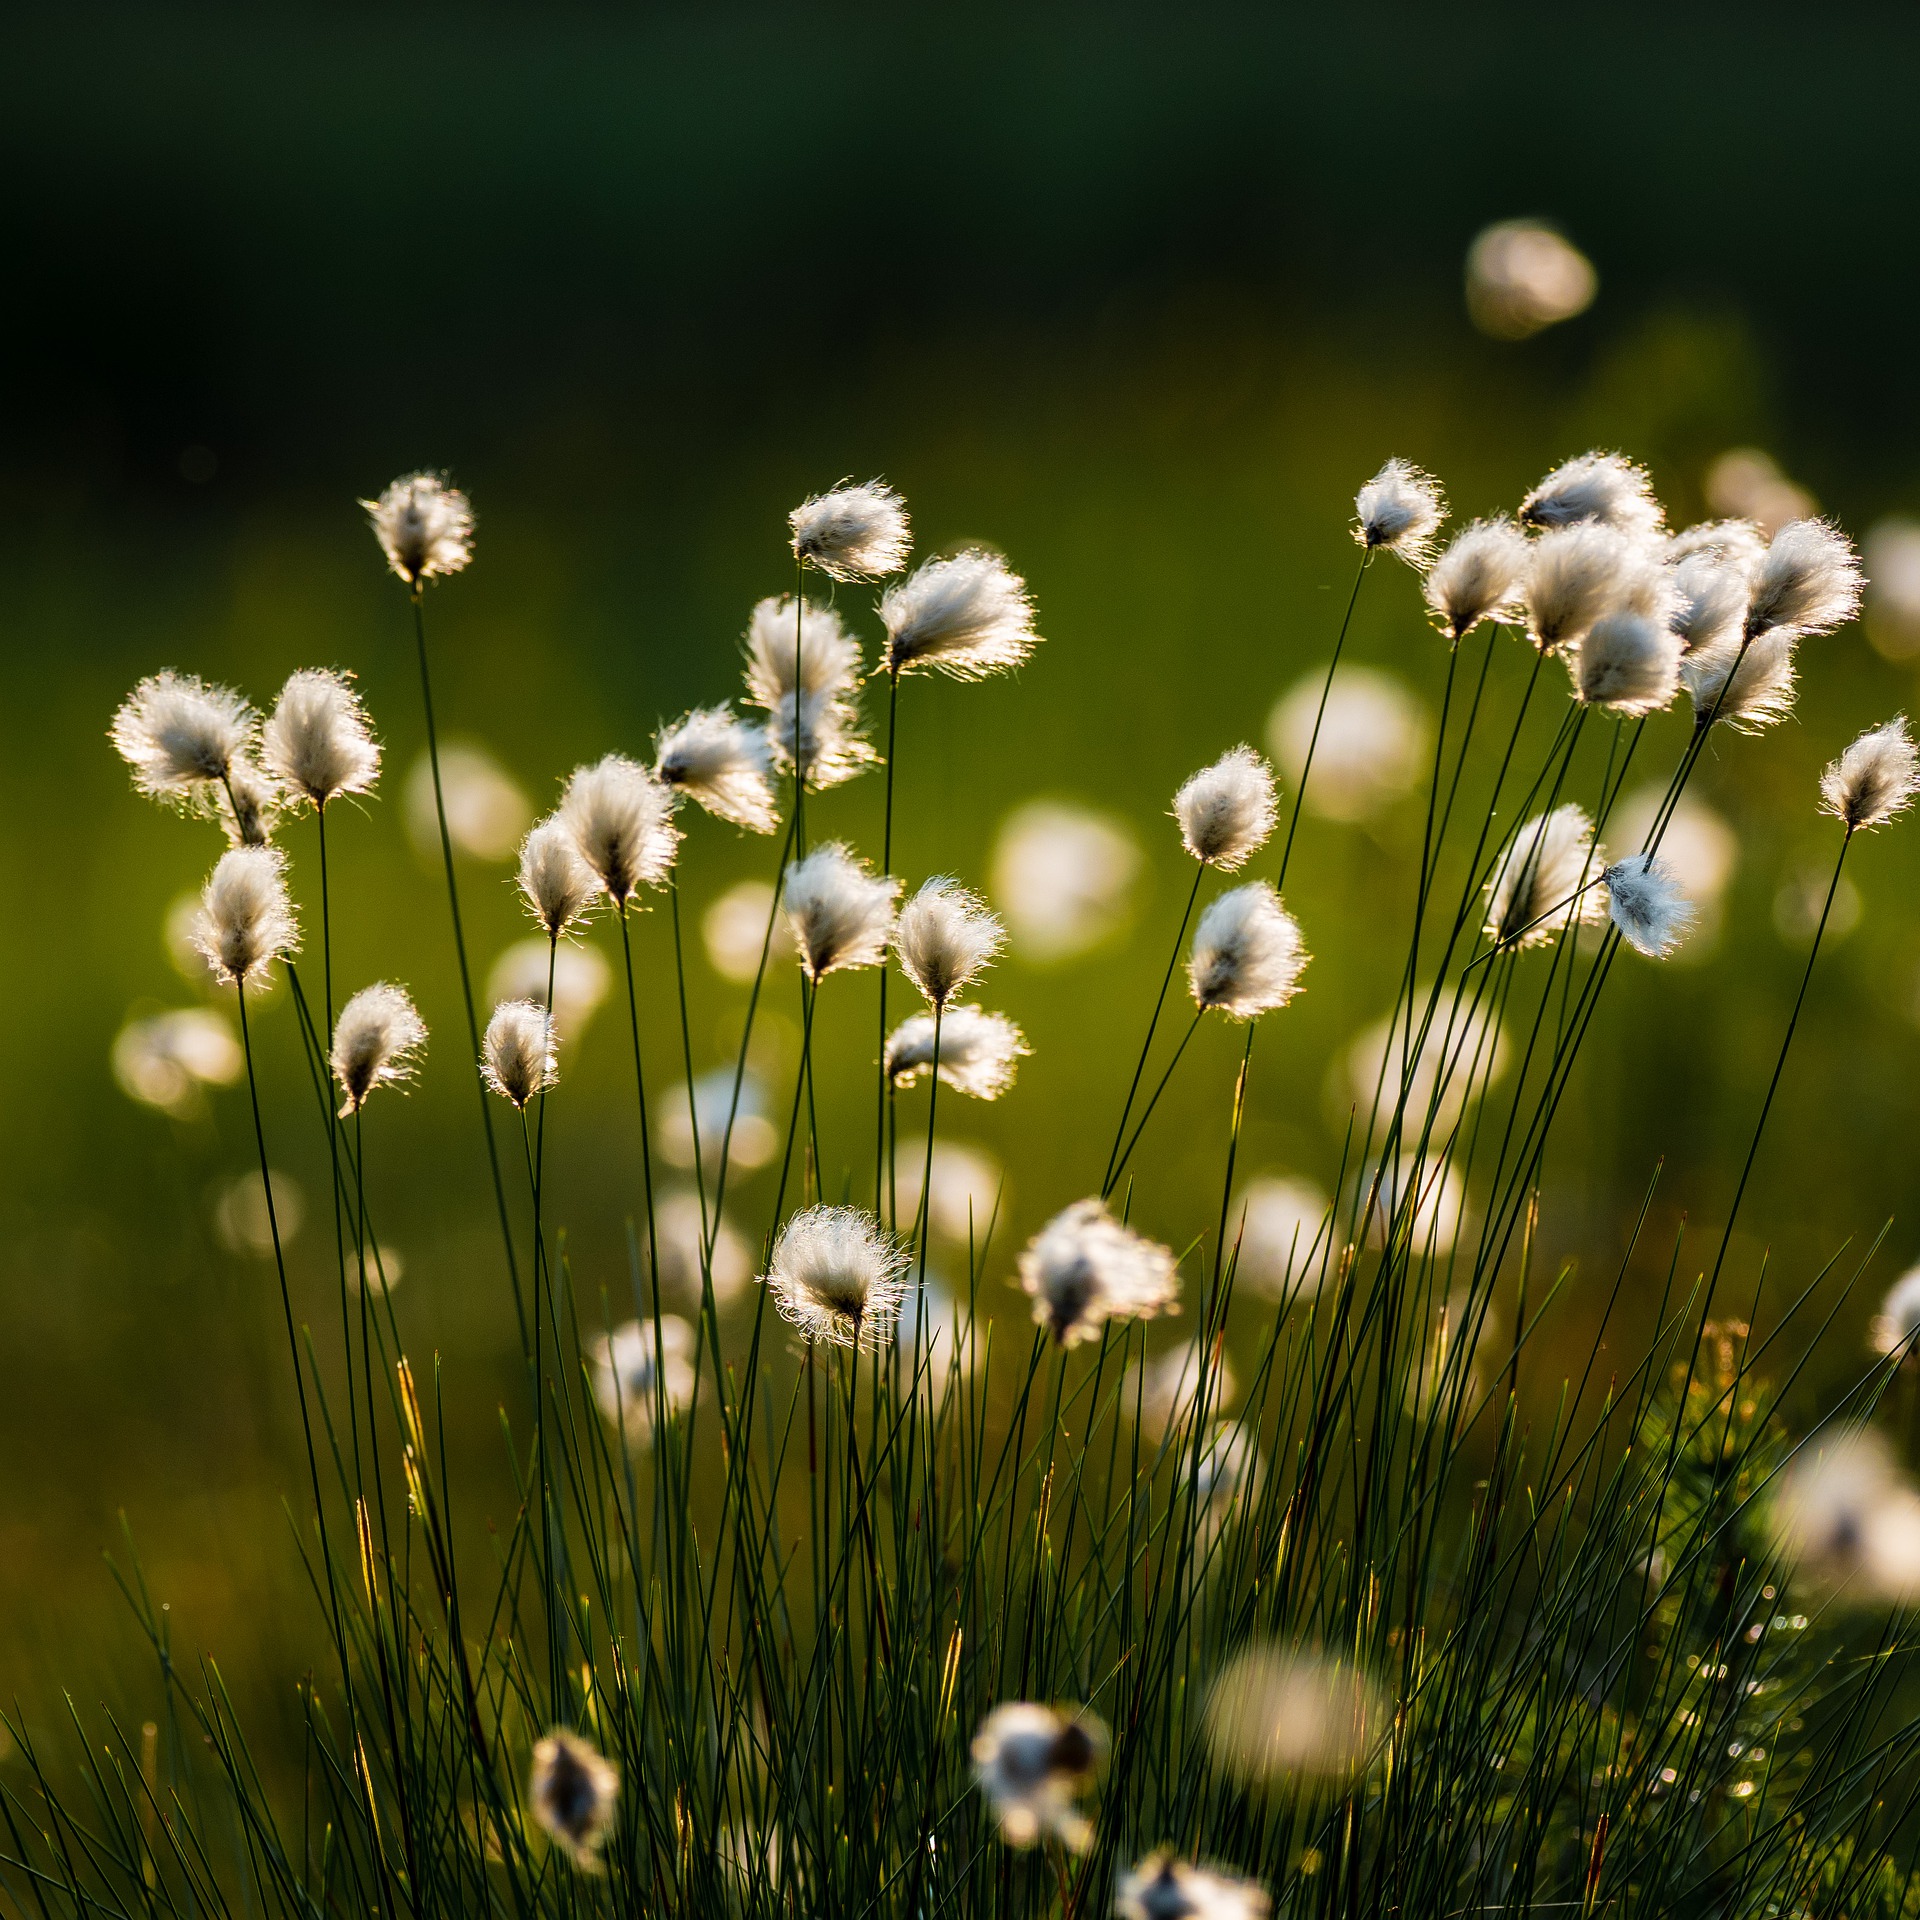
(1141, 302)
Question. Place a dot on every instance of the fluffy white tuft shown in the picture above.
(1226, 811)
(1032, 1763)
(1577, 575)
(1746, 685)
(1736, 543)
(517, 1053)
(246, 920)
(859, 531)
(1163, 1887)
(1247, 953)
(723, 763)
(1711, 594)
(1627, 664)
(573, 1789)
(1874, 779)
(621, 820)
(318, 742)
(1478, 577)
(1083, 1268)
(1399, 509)
(1606, 489)
(1646, 904)
(556, 883)
(944, 937)
(375, 1039)
(1808, 579)
(1898, 1321)
(967, 617)
(179, 734)
(1543, 881)
(816, 723)
(424, 526)
(838, 1276)
(979, 1051)
(840, 910)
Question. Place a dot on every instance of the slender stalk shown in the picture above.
(1319, 714)
(1146, 1046)
(1120, 1167)
(886, 867)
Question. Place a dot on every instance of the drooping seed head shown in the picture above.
(555, 882)
(1083, 1268)
(1478, 577)
(786, 646)
(375, 1041)
(517, 1053)
(1399, 510)
(1647, 905)
(840, 910)
(1577, 575)
(859, 531)
(1032, 1765)
(838, 1276)
(979, 1051)
(1603, 489)
(944, 937)
(573, 1791)
(1227, 811)
(966, 617)
(246, 919)
(179, 734)
(1164, 1887)
(1247, 954)
(621, 820)
(1874, 779)
(1808, 579)
(1742, 684)
(1542, 881)
(1626, 664)
(721, 762)
(424, 526)
(317, 741)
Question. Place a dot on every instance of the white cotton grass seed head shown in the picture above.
(966, 616)
(858, 531)
(1605, 489)
(1844, 1516)
(318, 742)
(839, 909)
(632, 1373)
(246, 920)
(621, 820)
(1647, 905)
(1577, 575)
(1165, 1887)
(1084, 1268)
(1711, 594)
(424, 526)
(1399, 509)
(375, 1042)
(517, 1053)
(1033, 1764)
(1477, 577)
(944, 938)
(1543, 881)
(1275, 1714)
(786, 646)
(1248, 955)
(1808, 579)
(1897, 1324)
(821, 732)
(574, 1790)
(838, 1276)
(1743, 684)
(722, 763)
(1227, 811)
(1874, 779)
(556, 883)
(1166, 1390)
(1627, 664)
(979, 1051)
(179, 734)
(1736, 543)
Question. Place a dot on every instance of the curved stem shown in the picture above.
(1320, 713)
(1113, 1177)
(1146, 1046)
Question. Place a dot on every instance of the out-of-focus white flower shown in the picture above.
(1845, 1515)
(1875, 779)
(486, 812)
(165, 1059)
(755, 1139)
(1698, 845)
(1226, 811)
(679, 1237)
(572, 1791)
(1373, 740)
(240, 1218)
(1746, 484)
(1063, 877)
(1462, 1053)
(969, 1191)
(631, 1372)
(1712, 595)
(1420, 1200)
(1801, 898)
(1399, 509)
(1893, 587)
(1163, 1887)
(1273, 1713)
(1167, 1389)
(1083, 1268)
(1282, 1227)
(1033, 1764)
(1523, 275)
(734, 929)
(1544, 880)
(1898, 1320)
(581, 977)
(1736, 543)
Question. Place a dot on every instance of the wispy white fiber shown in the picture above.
(1605, 489)
(317, 742)
(1542, 882)
(967, 616)
(1083, 1268)
(246, 919)
(1711, 595)
(375, 1041)
(1874, 779)
(1647, 904)
(1735, 543)
(517, 1054)
(1627, 664)
(723, 763)
(178, 733)
(979, 1051)
(556, 883)
(944, 938)
(621, 820)
(838, 1276)
(1477, 577)
(840, 910)
(1227, 811)
(785, 649)
(1743, 685)
(1808, 579)
(247, 803)
(1578, 574)
(1248, 955)
(1399, 509)
(424, 526)
(858, 531)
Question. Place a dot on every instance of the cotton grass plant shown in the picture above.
(840, 1592)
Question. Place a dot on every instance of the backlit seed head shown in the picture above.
(424, 526)
(966, 617)
(1399, 509)
(1577, 575)
(840, 910)
(944, 938)
(1083, 1268)
(838, 1276)
(1478, 577)
(555, 882)
(1605, 489)
(179, 733)
(856, 532)
(375, 1041)
(246, 919)
(721, 762)
(1626, 664)
(317, 741)
(786, 647)
(1808, 579)
(1227, 811)
(621, 820)
(1742, 684)
(573, 1792)
(1164, 1887)
(1542, 882)
(1248, 955)
(517, 1053)
(1032, 1765)
(1275, 1714)
(1647, 905)
(247, 804)
(1874, 779)
(979, 1051)
(1712, 594)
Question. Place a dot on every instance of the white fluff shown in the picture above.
(318, 742)
(178, 733)
(821, 730)
(1032, 1763)
(1711, 595)
(979, 1051)
(859, 531)
(1602, 488)
(1162, 1887)
(246, 803)
(573, 1789)
(1247, 953)
(1735, 543)
(375, 1039)
(1809, 579)
(1227, 811)
(944, 938)
(1083, 1268)
(967, 616)
(1399, 509)
(838, 1276)
(1627, 664)
(1541, 883)
(517, 1053)
(1745, 685)
(424, 526)
(1898, 1320)
(1577, 575)
(1477, 577)
(840, 910)
(1646, 904)
(246, 920)
(1874, 779)
(621, 820)
(722, 763)
(785, 648)
(556, 883)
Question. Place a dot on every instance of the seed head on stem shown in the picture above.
(1083, 1268)
(1032, 1764)
(517, 1053)
(424, 526)
(722, 763)
(375, 1041)
(979, 1051)
(1808, 579)
(1647, 905)
(1626, 664)
(573, 1791)
(840, 910)
(1545, 877)
(1603, 489)
(621, 820)
(555, 882)
(318, 743)
(246, 920)
(1876, 778)
(944, 938)
(858, 531)
(1248, 955)
(1477, 578)
(1399, 510)
(180, 735)
(838, 1276)
(1227, 811)
(967, 616)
